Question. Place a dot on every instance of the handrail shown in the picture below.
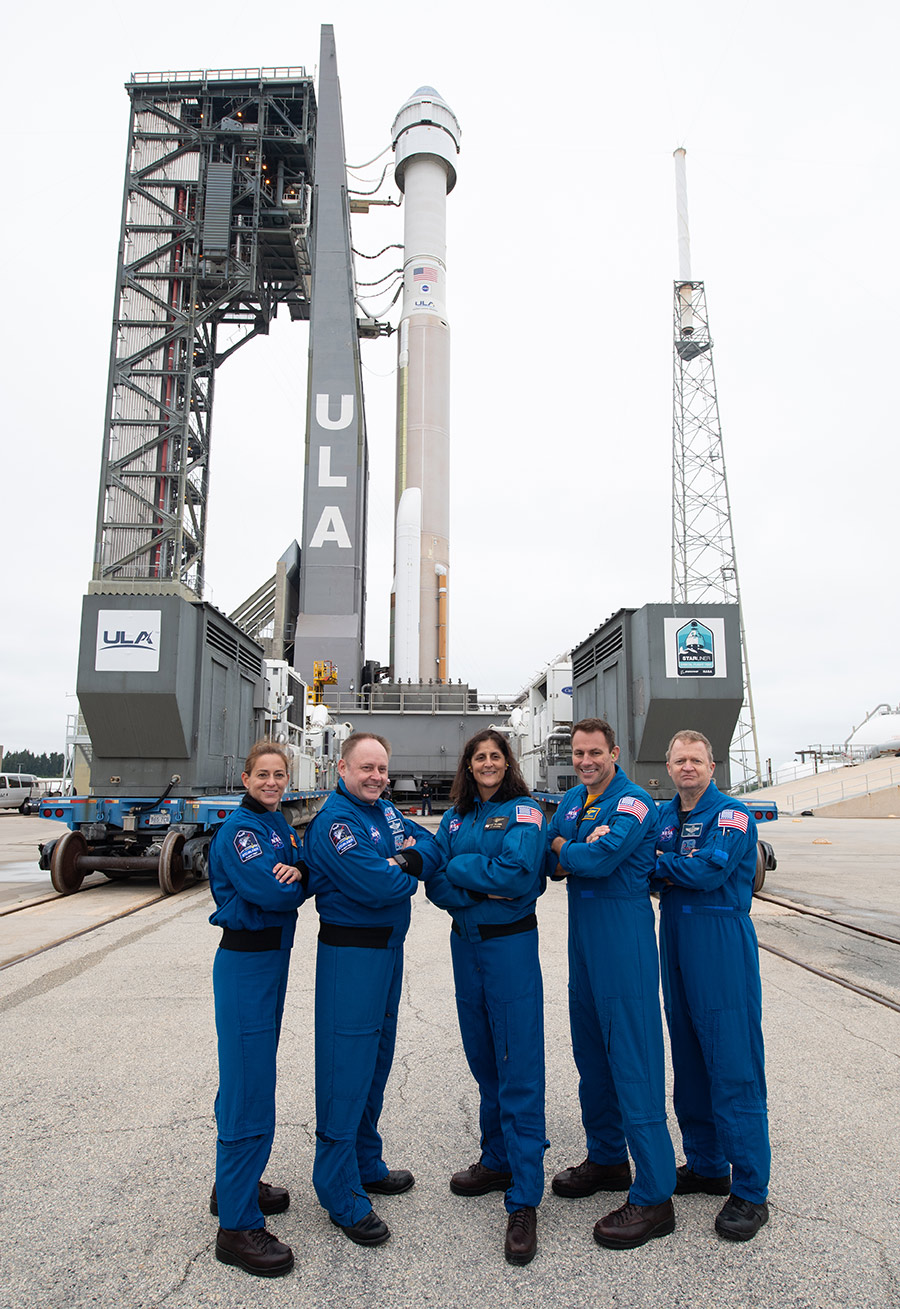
(276, 74)
(829, 759)
(415, 698)
(844, 790)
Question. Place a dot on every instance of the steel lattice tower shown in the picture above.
(704, 560)
(215, 219)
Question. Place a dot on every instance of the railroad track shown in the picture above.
(55, 924)
(47, 899)
(867, 932)
(32, 906)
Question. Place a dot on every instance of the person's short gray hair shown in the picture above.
(691, 737)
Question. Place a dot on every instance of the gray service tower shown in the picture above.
(330, 624)
(234, 203)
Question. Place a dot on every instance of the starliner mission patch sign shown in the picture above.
(695, 647)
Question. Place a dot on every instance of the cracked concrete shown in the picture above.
(107, 1148)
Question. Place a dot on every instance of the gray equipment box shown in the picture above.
(167, 686)
(652, 671)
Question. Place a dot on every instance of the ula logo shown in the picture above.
(128, 641)
(143, 641)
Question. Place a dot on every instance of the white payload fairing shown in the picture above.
(426, 142)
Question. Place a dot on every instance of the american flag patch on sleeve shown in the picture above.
(734, 818)
(630, 804)
(526, 814)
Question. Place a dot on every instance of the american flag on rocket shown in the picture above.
(734, 818)
(630, 804)
(425, 274)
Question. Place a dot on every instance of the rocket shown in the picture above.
(425, 138)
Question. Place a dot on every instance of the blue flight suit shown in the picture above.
(499, 849)
(712, 990)
(258, 915)
(614, 1007)
(364, 909)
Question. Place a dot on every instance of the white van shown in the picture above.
(19, 791)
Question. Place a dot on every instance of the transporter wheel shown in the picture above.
(63, 873)
(171, 864)
(759, 879)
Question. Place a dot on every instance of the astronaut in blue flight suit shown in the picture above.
(494, 842)
(364, 862)
(603, 841)
(711, 988)
(257, 886)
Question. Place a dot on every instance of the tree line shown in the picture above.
(23, 761)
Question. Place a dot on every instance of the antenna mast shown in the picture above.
(704, 560)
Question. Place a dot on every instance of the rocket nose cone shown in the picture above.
(425, 95)
(427, 109)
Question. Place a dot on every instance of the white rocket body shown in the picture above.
(406, 586)
(426, 143)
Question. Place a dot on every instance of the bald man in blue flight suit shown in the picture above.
(711, 987)
(603, 841)
(365, 861)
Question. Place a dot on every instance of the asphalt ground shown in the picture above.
(109, 1076)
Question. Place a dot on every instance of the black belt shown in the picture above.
(267, 938)
(488, 931)
(369, 938)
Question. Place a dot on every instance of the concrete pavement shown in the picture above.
(108, 1080)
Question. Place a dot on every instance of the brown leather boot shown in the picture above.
(521, 1236)
(256, 1251)
(478, 1180)
(634, 1224)
(588, 1178)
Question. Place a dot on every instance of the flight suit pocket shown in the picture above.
(731, 1061)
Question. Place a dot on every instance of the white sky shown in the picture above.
(561, 259)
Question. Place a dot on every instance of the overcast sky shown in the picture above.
(561, 260)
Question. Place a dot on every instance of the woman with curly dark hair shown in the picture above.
(494, 841)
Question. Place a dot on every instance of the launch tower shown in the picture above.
(215, 220)
(704, 560)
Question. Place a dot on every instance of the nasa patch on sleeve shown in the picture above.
(246, 845)
(341, 837)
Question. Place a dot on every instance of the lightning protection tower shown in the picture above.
(704, 560)
(214, 236)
